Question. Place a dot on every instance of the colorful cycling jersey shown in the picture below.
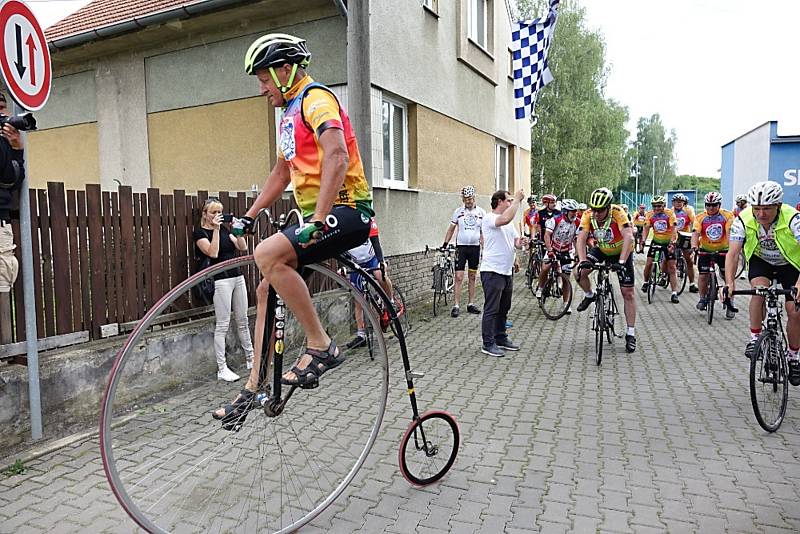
(662, 225)
(469, 225)
(607, 233)
(563, 232)
(713, 230)
(684, 218)
(767, 247)
(542, 216)
(529, 217)
(311, 108)
(373, 228)
(639, 219)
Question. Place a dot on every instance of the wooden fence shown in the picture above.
(102, 257)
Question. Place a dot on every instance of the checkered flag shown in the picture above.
(530, 42)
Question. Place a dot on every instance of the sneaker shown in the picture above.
(358, 341)
(630, 344)
(493, 350)
(569, 311)
(471, 308)
(693, 288)
(585, 303)
(750, 348)
(538, 292)
(794, 372)
(227, 375)
(702, 304)
(645, 287)
(674, 298)
(506, 344)
(454, 312)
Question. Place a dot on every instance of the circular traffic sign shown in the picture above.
(24, 57)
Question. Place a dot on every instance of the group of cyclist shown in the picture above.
(761, 226)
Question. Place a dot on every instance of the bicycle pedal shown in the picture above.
(310, 385)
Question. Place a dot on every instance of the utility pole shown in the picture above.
(359, 102)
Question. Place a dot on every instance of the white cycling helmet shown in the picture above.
(583, 206)
(740, 198)
(765, 194)
(681, 197)
(712, 197)
(468, 191)
(569, 205)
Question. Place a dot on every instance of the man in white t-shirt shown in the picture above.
(500, 241)
(466, 223)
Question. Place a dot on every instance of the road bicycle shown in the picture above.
(291, 451)
(769, 366)
(683, 243)
(606, 320)
(375, 301)
(557, 291)
(713, 285)
(536, 256)
(658, 277)
(444, 276)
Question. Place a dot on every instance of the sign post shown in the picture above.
(27, 72)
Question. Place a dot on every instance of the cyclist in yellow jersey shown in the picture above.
(638, 223)
(665, 234)
(711, 231)
(613, 235)
(684, 217)
(318, 154)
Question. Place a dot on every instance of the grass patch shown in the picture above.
(17, 468)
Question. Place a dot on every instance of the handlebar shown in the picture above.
(766, 291)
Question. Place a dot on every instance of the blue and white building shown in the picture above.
(758, 155)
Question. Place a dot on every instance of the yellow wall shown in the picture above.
(226, 146)
(525, 170)
(67, 154)
(450, 154)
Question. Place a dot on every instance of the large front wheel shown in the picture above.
(599, 327)
(769, 384)
(429, 448)
(173, 468)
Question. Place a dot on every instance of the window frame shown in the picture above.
(472, 29)
(393, 183)
(431, 6)
(500, 146)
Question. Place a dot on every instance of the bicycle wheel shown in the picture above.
(530, 280)
(769, 384)
(613, 317)
(681, 272)
(438, 290)
(429, 448)
(653, 281)
(599, 327)
(556, 295)
(711, 295)
(403, 313)
(173, 468)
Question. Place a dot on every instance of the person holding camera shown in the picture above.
(12, 172)
(214, 241)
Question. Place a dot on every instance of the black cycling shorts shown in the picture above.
(468, 255)
(665, 253)
(564, 258)
(786, 275)
(704, 262)
(346, 228)
(595, 255)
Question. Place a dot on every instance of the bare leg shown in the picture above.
(457, 288)
(629, 303)
(471, 276)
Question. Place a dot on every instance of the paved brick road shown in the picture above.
(662, 440)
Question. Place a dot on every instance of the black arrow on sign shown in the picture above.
(20, 66)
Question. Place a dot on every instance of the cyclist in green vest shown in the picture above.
(769, 233)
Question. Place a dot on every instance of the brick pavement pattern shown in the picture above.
(663, 440)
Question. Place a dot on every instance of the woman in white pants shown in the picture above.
(213, 239)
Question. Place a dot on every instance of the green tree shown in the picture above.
(578, 141)
(652, 139)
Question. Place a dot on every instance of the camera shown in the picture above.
(24, 122)
(227, 217)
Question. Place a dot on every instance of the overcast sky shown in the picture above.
(713, 69)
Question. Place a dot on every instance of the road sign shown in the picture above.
(24, 57)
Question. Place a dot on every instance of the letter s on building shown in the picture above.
(790, 176)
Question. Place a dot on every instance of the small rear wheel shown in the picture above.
(429, 448)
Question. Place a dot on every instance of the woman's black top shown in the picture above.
(227, 250)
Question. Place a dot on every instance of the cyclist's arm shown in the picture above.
(548, 240)
(731, 262)
(645, 232)
(580, 244)
(274, 186)
(673, 236)
(376, 247)
(627, 243)
(695, 239)
(450, 231)
(334, 165)
(508, 215)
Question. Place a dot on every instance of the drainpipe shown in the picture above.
(359, 102)
(137, 23)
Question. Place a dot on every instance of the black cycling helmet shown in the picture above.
(275, 50)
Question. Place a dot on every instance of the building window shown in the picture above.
(478, 22)
(395, 143)
(501, 166)
(431, 5)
